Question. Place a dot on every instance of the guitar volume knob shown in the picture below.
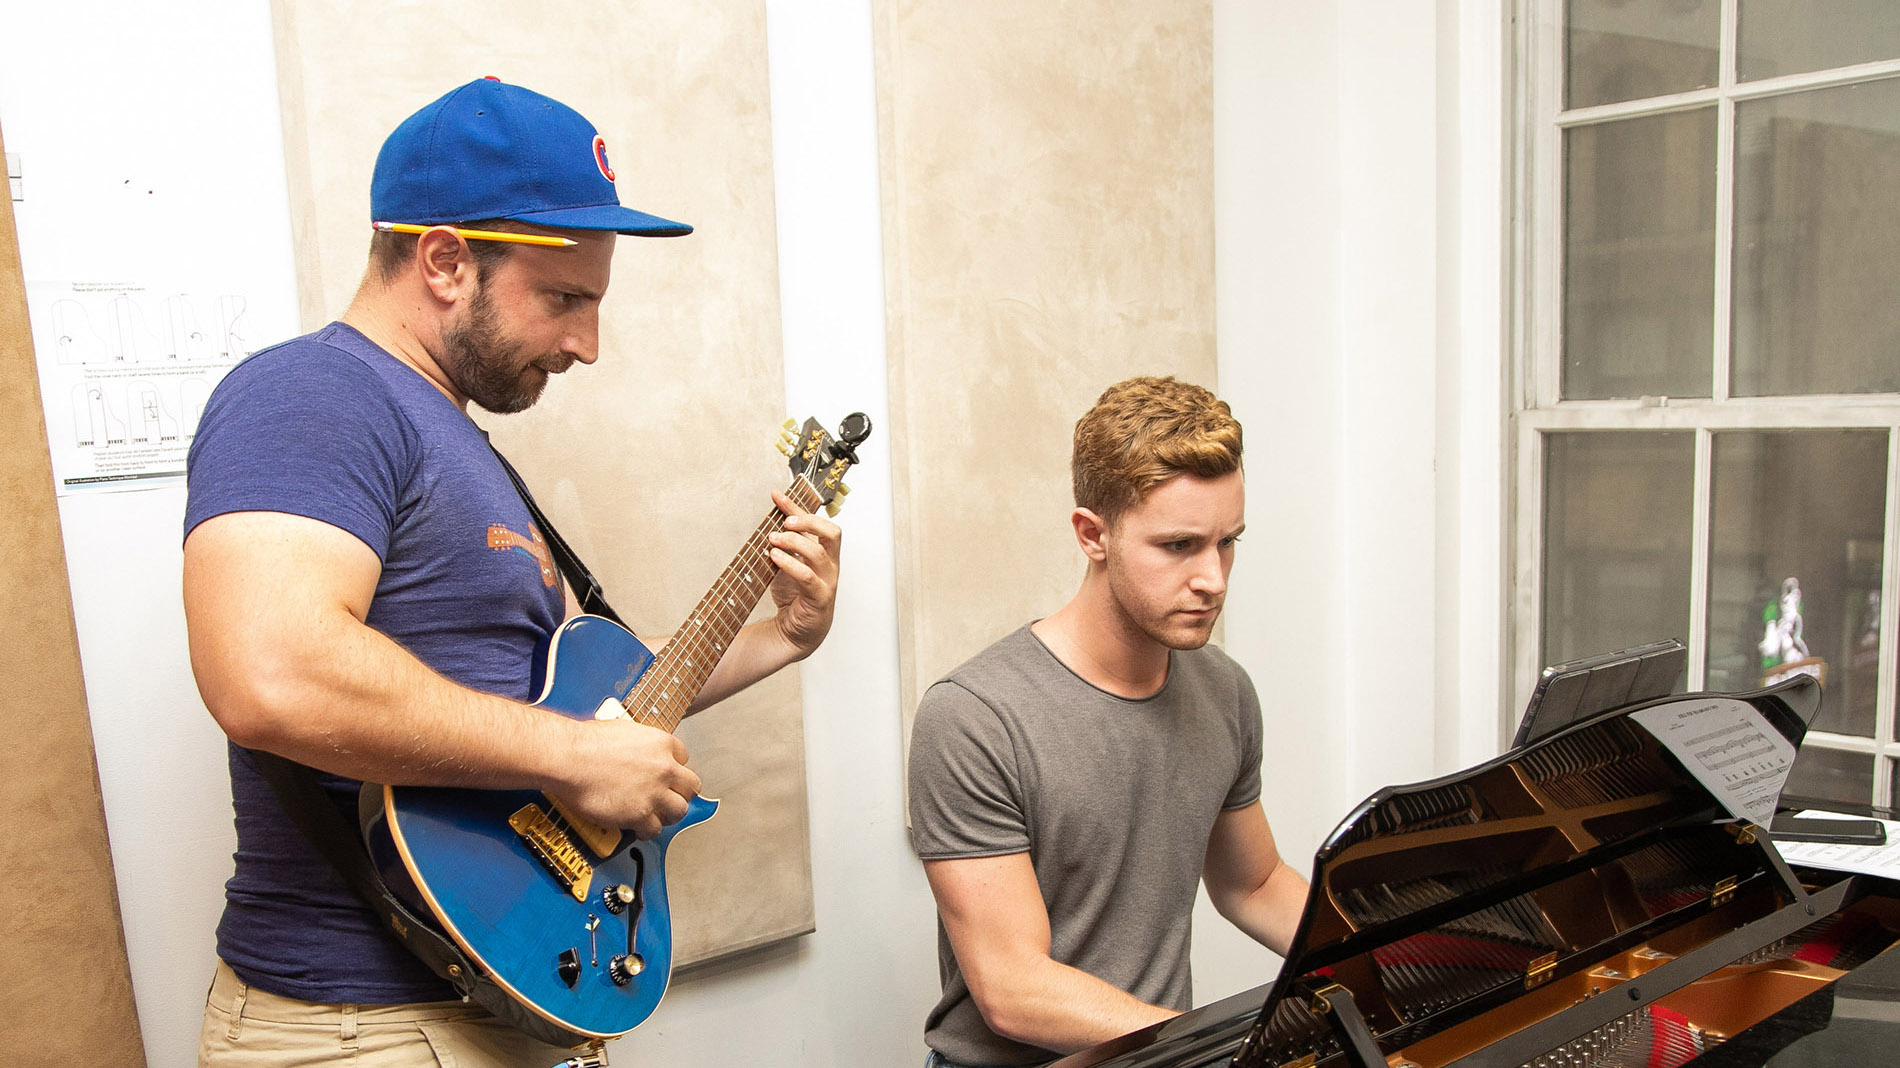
(624, 967)
(617, 897)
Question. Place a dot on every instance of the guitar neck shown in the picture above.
(665, 691)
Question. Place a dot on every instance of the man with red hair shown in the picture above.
(1071, 784)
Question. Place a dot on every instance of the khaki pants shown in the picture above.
(247, 1028)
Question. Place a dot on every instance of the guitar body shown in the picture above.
(455, 855)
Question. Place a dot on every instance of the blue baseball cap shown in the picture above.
(489, 150)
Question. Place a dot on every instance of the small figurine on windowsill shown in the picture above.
(1784, 653)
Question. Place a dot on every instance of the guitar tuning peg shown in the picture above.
(784, 446)
(833, 507)
(789, 423)
(843, 489)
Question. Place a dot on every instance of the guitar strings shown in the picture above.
(695, 641)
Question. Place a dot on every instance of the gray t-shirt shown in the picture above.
(1113, 799)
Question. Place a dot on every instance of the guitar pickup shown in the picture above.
(554, 849)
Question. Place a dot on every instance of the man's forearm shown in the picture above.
(275, 608)
(373, 712)
(1271, 914)
(756, 651)
(369, 710)
(1056, 1007)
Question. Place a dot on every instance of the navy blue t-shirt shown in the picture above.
(331, 427)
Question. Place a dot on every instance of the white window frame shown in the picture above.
(1536, 409)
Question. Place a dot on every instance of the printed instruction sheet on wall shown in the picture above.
(125, 370)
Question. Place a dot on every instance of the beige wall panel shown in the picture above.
(68, 984)
(1048, 224)
(656, 461)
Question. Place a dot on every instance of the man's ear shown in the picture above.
(1089, 532)
(446, 265)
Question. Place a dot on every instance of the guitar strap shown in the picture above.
(316, 815)
(587, 589)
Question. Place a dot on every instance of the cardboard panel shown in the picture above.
(1048, 223)
(64, 969)
(655, 462)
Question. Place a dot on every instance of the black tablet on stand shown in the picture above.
(1572, 691)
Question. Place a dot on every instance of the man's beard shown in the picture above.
(1157, 621)
(485, 366)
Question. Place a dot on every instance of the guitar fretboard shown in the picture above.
(664, 692)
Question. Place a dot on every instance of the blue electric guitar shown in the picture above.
(569, 917)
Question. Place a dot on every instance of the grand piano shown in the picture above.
(1596, 899)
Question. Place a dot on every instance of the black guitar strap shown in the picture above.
(316, 815)
(587, 589)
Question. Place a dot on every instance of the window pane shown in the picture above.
(1616, 540)
(1831, 775)
(1817, 242)
(1796, 522)
(1639, 257)
(1616, 50)
(1793, 36)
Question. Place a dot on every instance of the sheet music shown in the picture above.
(1730, 748)
(1881, 860)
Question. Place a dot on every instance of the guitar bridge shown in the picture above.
(554, 849)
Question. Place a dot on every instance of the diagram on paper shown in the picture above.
(125, 373)
(145, 412)
(117, 327)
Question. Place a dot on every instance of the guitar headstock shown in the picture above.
(821, 459)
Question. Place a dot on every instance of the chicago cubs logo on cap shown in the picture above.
(600, 157)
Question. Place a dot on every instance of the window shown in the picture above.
(1707, 422)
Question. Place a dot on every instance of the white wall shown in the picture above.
(1358, 205)
(1358, 183)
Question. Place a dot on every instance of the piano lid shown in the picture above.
(1435, 902)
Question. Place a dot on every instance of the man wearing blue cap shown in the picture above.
(344, 606)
